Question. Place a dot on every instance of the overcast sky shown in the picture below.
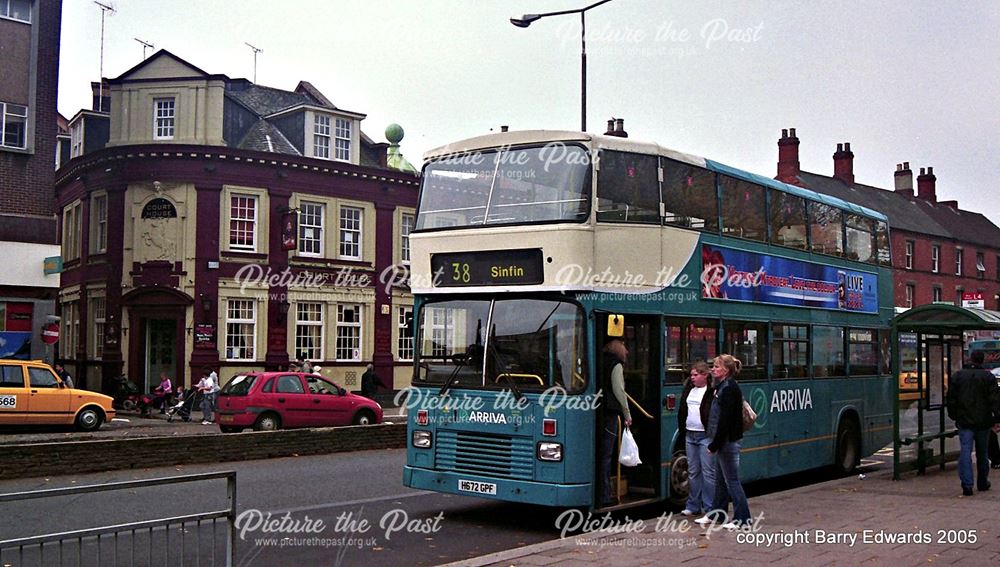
(915, 81)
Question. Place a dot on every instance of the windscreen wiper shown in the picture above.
(502, 370)
(459, 363)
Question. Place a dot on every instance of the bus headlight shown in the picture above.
(550, 451)
(422, 439)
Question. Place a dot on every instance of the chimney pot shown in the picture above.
(840, 147)
(504, 128)
(791, 132)
(922, 171)
(847, 146)
(784, 133)
(611, 127)
(906, 165)
(930, 171)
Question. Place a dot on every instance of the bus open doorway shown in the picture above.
(631, 486)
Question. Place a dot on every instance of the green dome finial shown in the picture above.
(394, 133)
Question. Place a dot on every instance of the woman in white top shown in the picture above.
(692, 416)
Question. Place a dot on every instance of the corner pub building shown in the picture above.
(232, 225)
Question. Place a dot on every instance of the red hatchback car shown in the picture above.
(272, 400)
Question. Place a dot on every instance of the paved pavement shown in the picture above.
(130, 425)
(919, 520)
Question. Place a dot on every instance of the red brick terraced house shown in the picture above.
(939, 250)
(236, 226)
(29, 74)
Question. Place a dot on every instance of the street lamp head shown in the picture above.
(525, 20)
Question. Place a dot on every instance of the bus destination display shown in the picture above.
(493, 267)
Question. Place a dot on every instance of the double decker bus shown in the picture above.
(532, 248)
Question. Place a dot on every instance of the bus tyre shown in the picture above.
(89, 419)
(848, 446)
(679, 487)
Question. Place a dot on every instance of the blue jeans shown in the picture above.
(727, 483)
(207, 406)
(609, 438)
(701, 472)
(981, 438)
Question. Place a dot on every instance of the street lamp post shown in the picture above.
(527, 19)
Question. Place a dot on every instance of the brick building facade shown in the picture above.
(236, 226)
(939, 250)
(29, 71)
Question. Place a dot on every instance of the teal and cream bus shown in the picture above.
(532, 248)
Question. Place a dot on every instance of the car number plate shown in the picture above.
(225, 418)
(477, 487)
(8, 402)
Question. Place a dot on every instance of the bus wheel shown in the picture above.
(848, 445)
(679, 478)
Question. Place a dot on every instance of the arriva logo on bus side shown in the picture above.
(791, 400)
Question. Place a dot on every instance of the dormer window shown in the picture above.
(163, 119)
(343, 139)
(321, 136)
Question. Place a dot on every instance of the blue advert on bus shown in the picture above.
(748, 276)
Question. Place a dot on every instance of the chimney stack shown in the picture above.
(788, 156)
(925, 185)
(903, 179)
(616, 127)
(843, 164)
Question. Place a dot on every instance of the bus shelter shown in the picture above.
(927, 348)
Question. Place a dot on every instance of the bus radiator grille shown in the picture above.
(481, 453)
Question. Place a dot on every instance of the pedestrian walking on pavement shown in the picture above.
(725, 429)
(692, 416)
(370, 382)
(974, 404)
(209, 388)
(64, 376)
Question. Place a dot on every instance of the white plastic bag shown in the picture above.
(629, 455)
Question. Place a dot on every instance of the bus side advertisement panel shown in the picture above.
(739, 275)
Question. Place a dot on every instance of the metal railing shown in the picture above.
(101, 546)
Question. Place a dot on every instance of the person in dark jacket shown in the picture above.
(974, 403)
(725, 429)
(370, 382)
(692, 417)
(614, 407)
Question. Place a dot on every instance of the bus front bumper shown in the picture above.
(508, 490)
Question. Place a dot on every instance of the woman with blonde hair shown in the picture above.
(725, 429)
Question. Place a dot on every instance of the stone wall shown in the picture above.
(77, 457)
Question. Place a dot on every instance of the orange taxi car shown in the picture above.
(32, 394)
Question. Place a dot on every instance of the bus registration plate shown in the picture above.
(477, 487)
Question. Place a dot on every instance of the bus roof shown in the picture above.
(523, 137)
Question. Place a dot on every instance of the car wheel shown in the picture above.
(848, 446)
(679, 487)
(267, 422)
(364, 417)
(128, 405)
(89, 419)
(228, 429)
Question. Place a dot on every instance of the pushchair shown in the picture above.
(183, 405)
